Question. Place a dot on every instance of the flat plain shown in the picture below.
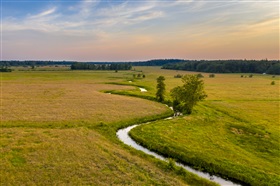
(234, 132)
(59, 128)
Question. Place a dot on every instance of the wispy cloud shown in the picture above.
(145, 24)
(86, 8)
(43, 14)
(86, 16)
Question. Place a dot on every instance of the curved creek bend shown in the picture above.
(123, 135)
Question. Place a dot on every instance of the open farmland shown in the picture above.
(111, 92)
(234, 132)
(69, 98)
(57, 128)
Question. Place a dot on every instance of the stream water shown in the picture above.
(122, 134)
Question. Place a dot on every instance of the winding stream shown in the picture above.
(122, 134)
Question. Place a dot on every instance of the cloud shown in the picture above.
(86, 8)
(129, 13)
(155, 26)
(87, 16)
(43, 14)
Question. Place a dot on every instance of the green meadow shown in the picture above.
(58, 127)
(233, 133)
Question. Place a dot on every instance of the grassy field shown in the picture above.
(234, 132)
(58, 128)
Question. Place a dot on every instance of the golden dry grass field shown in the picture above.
(49, 102)
(76, 156)
(58, 128)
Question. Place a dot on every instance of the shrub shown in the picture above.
(171, 164)
(178, 76)
(272, 83)
(5, 70)
(211, 75)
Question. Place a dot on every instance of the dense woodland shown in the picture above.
(157, 62)
(211, 66)
(34, 63)
(227, 66)
(90, 66)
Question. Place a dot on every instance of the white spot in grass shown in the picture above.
(168, 118)
(142, 89)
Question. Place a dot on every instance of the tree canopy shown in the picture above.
(160, 89)
(227, 66)
(185, 97)
(104, 66)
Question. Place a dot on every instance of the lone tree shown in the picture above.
(160, 89)
(185, 97)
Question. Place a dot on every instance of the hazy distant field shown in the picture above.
(57, 128)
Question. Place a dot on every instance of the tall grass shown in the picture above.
(234, 133)
(57, 128)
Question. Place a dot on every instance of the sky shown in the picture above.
(136, 30)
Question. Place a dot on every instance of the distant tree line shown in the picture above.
(157, 62)
(107, 66)
(5, 69)
(211, 66)
(227, 66)
(34, 63)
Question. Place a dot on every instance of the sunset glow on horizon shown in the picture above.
(92, 30)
